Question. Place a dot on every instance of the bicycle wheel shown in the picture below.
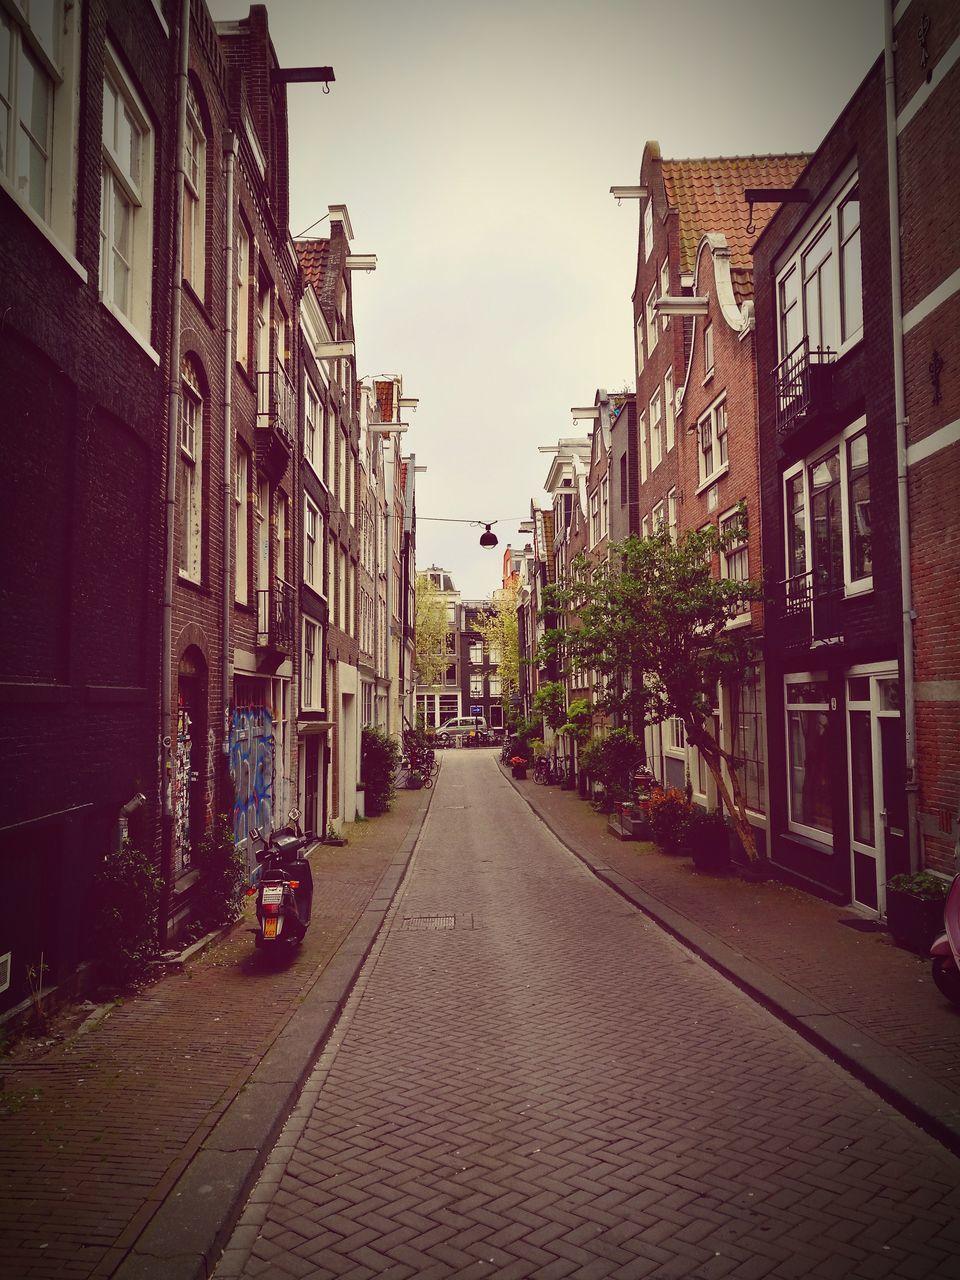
(427, 782)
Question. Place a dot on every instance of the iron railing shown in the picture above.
(275, 616)
(276, 402)
(801, 380)
(809, 610)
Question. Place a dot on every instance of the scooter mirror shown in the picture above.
(293, 815)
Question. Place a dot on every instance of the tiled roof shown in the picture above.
(403, 477)
(313, 259)
(708, 196)
(385, 400)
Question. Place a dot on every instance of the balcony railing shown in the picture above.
(803, 385)
(275, 617)
(809, 612)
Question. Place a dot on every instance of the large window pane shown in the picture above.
(796, 527)
(851, 285)
(809, 769)
(861, 552)
(861, 777)
(827, 515)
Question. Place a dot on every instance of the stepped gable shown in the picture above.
(708, 196)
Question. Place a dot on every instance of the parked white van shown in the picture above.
(463, 724)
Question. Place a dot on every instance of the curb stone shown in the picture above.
(916, 1095)
(186, 1234)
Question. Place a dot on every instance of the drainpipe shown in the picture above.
(230, 156)
(167, 720)
(903, 509)
(389, 535)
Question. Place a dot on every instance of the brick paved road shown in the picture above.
(532, 1080)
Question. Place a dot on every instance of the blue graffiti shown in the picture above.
(252, 746)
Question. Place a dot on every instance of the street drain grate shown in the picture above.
(428, 922)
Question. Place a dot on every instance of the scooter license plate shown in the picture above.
(270, 927)
(272, 893)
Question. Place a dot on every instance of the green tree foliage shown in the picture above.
(654, 626)
(613, 759)
(550, 701)
(222, 876)
(431, 630)
(579, 720)
(499, 631)
(379, 758)
(126, 893)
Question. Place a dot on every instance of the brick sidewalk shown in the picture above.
(859, 986)
(95, 1133)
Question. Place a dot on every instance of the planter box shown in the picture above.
(914, 922)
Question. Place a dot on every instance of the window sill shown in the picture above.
(705, 484)
(821, 841)
(45, 230)
(675, 753)
(741, 620)
(130, 328)
(708, 377)
(861, 588)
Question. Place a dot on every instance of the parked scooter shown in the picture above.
(283, 884)
(945, 951)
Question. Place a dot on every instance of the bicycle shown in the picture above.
(405, 771)
(541, 771)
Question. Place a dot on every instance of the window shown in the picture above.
(495, 657)
(807, 705)
(640, 351)
(664, 288)
(243, 295)
(595, 517)
(312, 429)
(642, 438)
(312, 546)
(38, 107)
(190, 439)
(659, 517)
(645, 527)
(311, 667)
(194, 165)
(676, 737)
(820, 287)
(241, 523)
(827, 516)
(126, 237)
(733, 561)
(707, 351)
(623, 479)
(748, 739)
(669, 405)
(651, 320)
(476, 686)
(656, 432)
(672, 515)
(495, 686)
(476, 653)
(712, 443)
(604, 506)
(648, 228)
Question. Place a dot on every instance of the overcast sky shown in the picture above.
(474, 143)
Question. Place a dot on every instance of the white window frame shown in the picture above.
(851, 586)
(604, 506)
(648, 228)
(242, 336)
(675, 739)
(641, 354)
(727, 557)
(136, 192)
(312, 664)
(714, 421)
(659, 516)
(241, 524)
(312, 546)
(312, 428)
(826, 221)
(669, 404)
(595, 517)
(190, 429)
(672, 521)
(820, 837)
(708, 352)
(645, 527)
(56, 54)
(642, 440)
(656, 430)
(194, 196)
(664, 288)
(651, 321)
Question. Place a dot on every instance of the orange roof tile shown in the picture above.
(313, 259)
(708, 196)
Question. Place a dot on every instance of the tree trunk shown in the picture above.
(715, 755)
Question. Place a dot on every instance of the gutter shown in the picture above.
(230, 157)
(167, 719)
(903, 508)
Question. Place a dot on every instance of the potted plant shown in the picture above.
(332, 836)
(669, 814)
(709, 841)
(915, 908)
(518, 766)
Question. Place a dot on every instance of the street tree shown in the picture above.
(653, 626)
(431, 630)
(499, 631)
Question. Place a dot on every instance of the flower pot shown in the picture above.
(914, 921)
(519, 770)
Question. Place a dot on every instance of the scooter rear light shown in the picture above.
(271, 908)
(251, 891)
(294, 884)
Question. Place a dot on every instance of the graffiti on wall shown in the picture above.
(252, 746)
(183, 776)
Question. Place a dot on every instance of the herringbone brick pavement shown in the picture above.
(533, 1080)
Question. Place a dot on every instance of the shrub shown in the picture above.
(126, 893)
(670, 815)
(612, 760)
(222, 876)
(920, 884)
(379, 758)
(550, 701)
(579, 718)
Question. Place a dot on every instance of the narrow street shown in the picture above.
(531, 1079)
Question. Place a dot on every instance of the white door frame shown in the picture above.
(874, 672)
